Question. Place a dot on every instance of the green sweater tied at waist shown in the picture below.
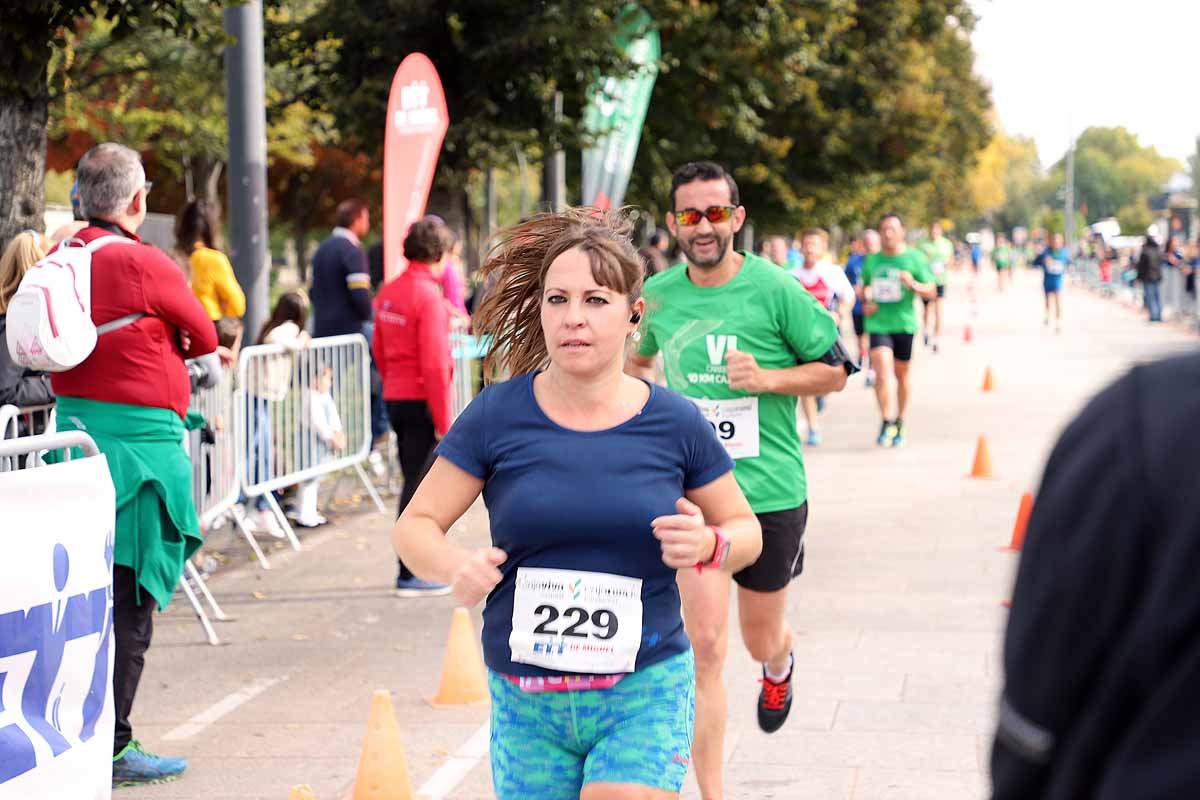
(157, 529)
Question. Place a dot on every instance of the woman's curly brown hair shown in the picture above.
(519, 260)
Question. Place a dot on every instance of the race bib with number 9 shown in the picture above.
(735, 423)
(576, 622)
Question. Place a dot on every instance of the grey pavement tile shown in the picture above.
(879, 784)
(893, 750)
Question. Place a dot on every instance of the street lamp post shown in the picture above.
(246, 104)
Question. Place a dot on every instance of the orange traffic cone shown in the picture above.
(382, 768)
(967, 333)
(982, 468)
(989, 382)
(1018, 534)
(463, 681)
(302, 792)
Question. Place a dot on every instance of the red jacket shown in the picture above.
(140, 364)
(411, 344)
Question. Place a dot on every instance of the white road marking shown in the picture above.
(451, 774)
(219, 709)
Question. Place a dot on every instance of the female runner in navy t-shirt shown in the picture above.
(599, 486)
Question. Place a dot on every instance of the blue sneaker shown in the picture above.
(133, 766)
(814, 438)
(415, 587)
(887, 432)
(898, 438)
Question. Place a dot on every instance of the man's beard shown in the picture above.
(722, 247)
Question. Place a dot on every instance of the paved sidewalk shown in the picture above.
(898, 612)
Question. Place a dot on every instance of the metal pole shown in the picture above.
(554, 185)
(490, 200)
(1069, 199)
(247, 180)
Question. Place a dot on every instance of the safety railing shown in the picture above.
(301, 413)
(28, 420)
(468, 352)
(1122, 285)
(216, 486)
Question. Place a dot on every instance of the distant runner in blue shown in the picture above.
(1053, 261)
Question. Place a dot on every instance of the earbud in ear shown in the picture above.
(636, 318)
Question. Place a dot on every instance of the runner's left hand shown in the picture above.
(745, 374)
(906, 278)
(686, 539)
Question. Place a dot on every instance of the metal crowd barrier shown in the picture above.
(275, 429)
(36, 420)
(215, 485)
(468, 352)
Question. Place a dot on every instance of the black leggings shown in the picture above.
(133, 626)
(415, 440)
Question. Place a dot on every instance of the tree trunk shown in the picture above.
(212, 183)
(22, 160)
(298, 235)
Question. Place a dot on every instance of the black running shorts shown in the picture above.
(782, 554)
(899, 343)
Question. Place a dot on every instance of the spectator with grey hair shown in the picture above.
(131, 396)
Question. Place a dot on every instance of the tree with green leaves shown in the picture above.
(1114, 175)
(30, 33)
(165, 94)
(827, 111)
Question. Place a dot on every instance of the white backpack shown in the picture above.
(49, 320)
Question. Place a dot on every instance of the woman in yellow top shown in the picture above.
(213, 281)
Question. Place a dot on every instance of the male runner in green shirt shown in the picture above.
(939, 252)
(892, 278)
(1002, 257)
(743, 339)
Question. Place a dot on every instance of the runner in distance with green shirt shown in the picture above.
(892, 279)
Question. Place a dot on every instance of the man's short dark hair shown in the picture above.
(348, 211)
(427, 241)
(703, 171)
(891, 215)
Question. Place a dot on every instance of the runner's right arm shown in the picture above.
(419, 536)
(454, 482)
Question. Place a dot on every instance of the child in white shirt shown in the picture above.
(325, 436)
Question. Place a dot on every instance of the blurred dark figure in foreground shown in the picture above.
(1102, 653)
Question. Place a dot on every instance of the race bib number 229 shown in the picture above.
(585, 623)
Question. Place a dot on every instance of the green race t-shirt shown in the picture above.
(882, 274)
(765, 312)
(940, 254)
(1002, 255)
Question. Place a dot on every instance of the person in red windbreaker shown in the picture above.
(411, 345)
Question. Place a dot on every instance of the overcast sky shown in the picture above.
(1134, 63)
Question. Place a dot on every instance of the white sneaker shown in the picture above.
(378, 465)
(265, 521)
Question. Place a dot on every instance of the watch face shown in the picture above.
(723, 556)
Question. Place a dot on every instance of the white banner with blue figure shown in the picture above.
(56, 647)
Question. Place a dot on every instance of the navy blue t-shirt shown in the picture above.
(583, 500)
